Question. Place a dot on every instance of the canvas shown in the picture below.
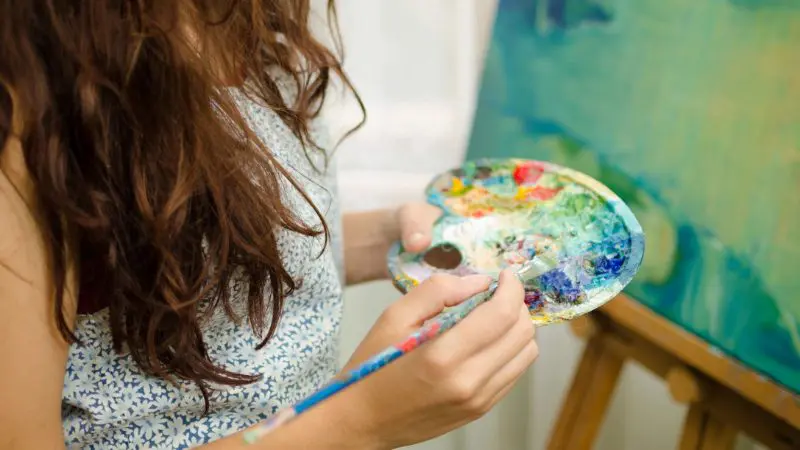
(690, 111)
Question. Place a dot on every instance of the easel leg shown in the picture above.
(702, 431)
(588, 398)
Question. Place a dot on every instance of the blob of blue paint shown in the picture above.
(608, 265)
(560, 286)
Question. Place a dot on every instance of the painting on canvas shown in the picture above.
(690, 111)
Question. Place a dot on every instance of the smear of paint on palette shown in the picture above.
(504, 213)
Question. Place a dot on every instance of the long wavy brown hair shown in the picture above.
(146, 173)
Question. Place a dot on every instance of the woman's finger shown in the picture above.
(504, 380)
(434, 295)
(507, 300)
(416, 225)
(487, 363)
(487, 323)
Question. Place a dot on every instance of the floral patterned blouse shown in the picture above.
(108, 403)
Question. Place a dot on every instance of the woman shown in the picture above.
(169, 260)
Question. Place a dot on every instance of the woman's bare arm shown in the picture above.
(369, 235)
(367, 238)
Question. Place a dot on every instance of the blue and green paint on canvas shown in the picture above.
(690, 111)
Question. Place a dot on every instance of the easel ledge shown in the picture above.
(724, 397)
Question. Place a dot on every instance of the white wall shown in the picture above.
(416, 64)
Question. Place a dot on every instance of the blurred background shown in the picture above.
(417, 65)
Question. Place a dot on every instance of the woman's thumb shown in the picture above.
(415, 239)
(416, 224)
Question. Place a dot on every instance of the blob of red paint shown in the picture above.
(528, 172)
(408, 345)
(543, 193)
(482, 212)
(413, 342)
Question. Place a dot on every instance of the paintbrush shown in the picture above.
(429, 330)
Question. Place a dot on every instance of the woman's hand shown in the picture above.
(451, 380)
(415, 222)
(369, 235)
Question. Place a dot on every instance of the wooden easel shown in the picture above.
(724, 398)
